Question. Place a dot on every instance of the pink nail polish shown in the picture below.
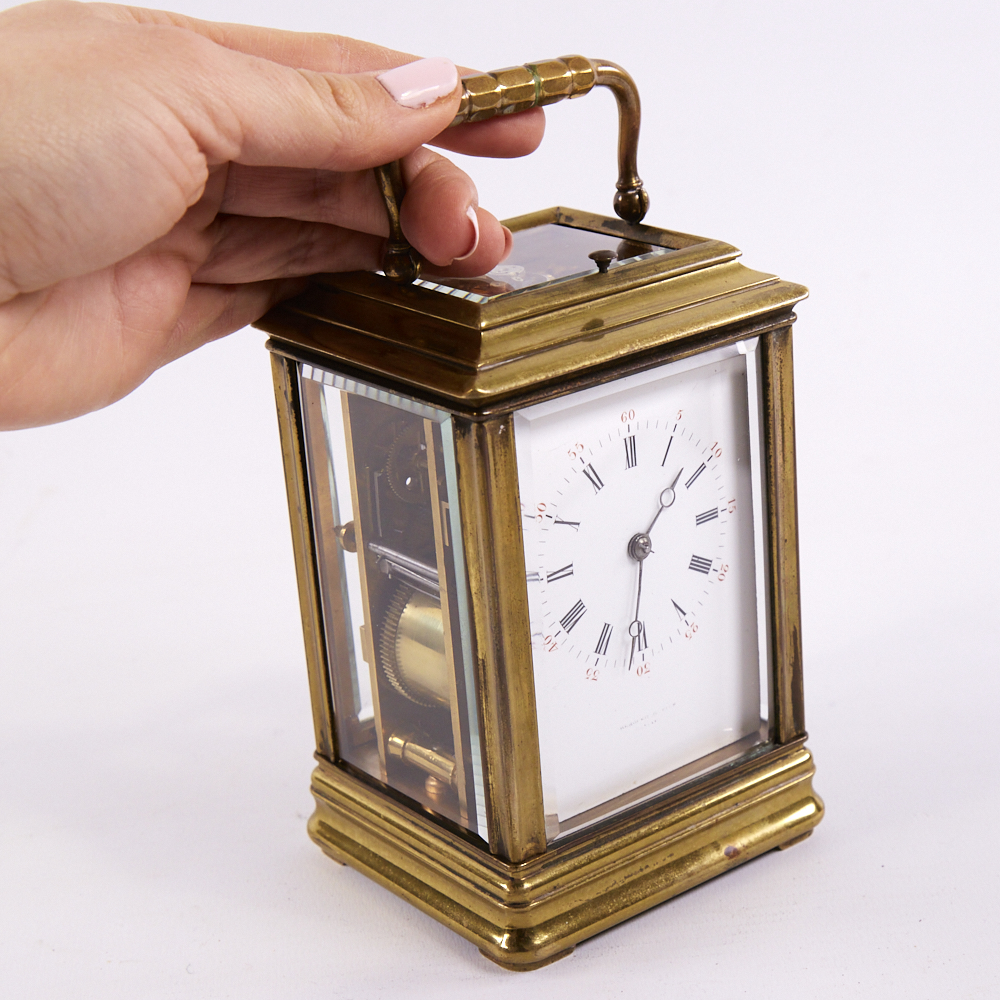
(420, 83)
(471, 213)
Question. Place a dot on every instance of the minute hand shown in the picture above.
(667, 497)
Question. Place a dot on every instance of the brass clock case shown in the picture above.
(470, 354)
(522, 900)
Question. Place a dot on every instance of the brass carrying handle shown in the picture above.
(506, 92)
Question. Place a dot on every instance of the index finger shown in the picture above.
(314, 50)
(512, 136)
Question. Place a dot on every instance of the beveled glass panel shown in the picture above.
(395, 602)
(645, 553)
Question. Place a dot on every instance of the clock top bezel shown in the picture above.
(687, 253)
(483, 355)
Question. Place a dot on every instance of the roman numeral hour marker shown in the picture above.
(697, 472)
(595, 480)
(572, 616)
(630, 452)
(559, 574)
(602, 644)
(700, 564)
(708, 515)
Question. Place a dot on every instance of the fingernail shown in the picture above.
(420, 83)
(471, 213)
(508, 243)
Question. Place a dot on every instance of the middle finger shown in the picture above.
(436, 212)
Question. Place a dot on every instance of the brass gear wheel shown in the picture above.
(388, 643)
(406, 466)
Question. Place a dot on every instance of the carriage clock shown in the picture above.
(545, 533)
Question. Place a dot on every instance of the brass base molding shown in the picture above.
(525, 915)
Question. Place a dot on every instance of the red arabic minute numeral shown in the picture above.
(680, 413)
(540, 508)
(716, 450)
(723, 570)
(642, 669)
(731, 507)
(575, 451)
(627, 416)
(689, 634)
(593, 673)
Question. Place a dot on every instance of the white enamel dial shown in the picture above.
(643, 552)
(631, 545)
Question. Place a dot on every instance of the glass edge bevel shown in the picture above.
(465, 622)
(345, 596)
(758, 489)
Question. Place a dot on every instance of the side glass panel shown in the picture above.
(384, 500)
(646, 555)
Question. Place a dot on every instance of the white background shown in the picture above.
(155, 736)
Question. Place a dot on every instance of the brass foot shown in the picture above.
(526, 966)
(794, 841)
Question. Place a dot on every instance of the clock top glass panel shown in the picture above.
(645, 557)
(544, 255)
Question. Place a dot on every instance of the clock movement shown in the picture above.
(545, 533)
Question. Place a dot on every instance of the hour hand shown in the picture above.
(667, 497)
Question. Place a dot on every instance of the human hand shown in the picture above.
(164, 181)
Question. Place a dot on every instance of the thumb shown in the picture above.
(261, 113)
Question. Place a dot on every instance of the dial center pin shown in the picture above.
(640, 546)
